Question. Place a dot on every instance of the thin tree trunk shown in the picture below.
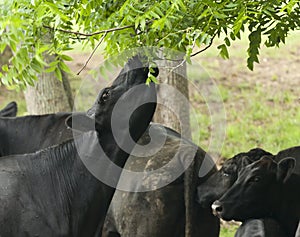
(173, 111)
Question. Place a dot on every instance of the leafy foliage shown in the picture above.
(33, 28)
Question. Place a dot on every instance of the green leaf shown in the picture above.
(253, 50)
(223, 51)
(289, 7)
(152, 78)
(5, 68)
(64, 67)
(227, 41)
(66, 57)
(37, 66)
(40, 60)
(143, 23)
(58, 74)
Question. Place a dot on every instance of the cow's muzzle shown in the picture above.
(217, 208)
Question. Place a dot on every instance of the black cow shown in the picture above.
(10, 110)
(50, 129)
(290, 152)
(159, 213)
(31, 133)
(260, 228)
(219, 182)
(263, 189)
(51, 192)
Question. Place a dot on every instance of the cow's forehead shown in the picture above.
(229, 165)
(264, 163)
(258, 166)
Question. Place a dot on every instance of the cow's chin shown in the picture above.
(229, 216)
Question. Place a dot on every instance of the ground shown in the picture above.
(262, 107)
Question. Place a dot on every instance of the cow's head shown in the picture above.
(218, 183)
(127, 104)
(256, 191)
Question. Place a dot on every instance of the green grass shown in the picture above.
(262, 107)
(254, 118)
(259, 112)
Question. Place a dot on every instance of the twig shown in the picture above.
(208, 46)
(95, 33)
(91, 34)
(91, 55)
(192, 55)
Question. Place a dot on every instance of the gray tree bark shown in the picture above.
(48, 95)
(173, 111)
(5, 56)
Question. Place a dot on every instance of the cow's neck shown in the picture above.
(79, 201)
(97, 195)
(288, 210)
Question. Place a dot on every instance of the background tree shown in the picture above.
(181, 25)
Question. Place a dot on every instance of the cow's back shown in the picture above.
(160, 212)
(31, 133)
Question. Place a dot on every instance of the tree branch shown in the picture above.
(208, 46)
(94, 33)
(91, 55)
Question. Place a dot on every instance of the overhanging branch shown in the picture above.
(94, 33)
(90, 34)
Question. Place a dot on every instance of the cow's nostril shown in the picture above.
(216, 208)
(219, 209)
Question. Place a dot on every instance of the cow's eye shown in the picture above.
(105, 95)
(255, 179)
(226, 174)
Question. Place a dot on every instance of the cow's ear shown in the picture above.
(285, 168)
(246, 161)
(80, 122)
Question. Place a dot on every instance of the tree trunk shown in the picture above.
(5, 56)
(173, 111)
(48, 95)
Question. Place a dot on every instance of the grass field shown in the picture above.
(262, 107)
